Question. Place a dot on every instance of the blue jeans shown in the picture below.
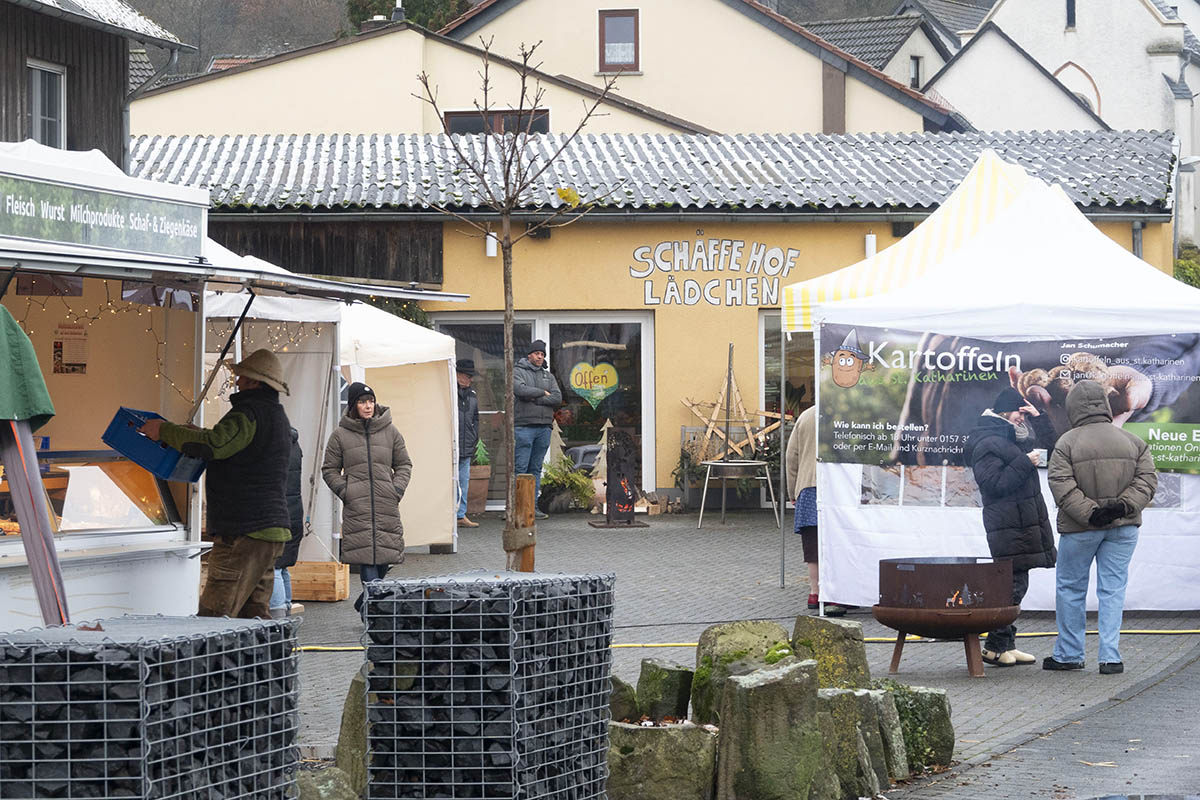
(281, 592)
(464, 479)
(1112, 550)
(532, 443)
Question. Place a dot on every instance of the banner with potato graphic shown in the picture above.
(905, 397)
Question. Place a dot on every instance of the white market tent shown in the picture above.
(1038, 269)
(411, 369)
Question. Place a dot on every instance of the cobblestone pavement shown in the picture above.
(673, 581)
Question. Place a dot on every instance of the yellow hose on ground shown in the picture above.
(321, 648)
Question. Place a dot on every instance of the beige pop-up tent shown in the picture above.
(411, 370)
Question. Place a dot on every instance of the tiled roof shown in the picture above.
(108, 13)
(218, 63)
(873, 39)
(653, 172)
(958, 15)
(140, 68)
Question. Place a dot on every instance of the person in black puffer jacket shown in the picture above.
(1014, 511)
(281, 597)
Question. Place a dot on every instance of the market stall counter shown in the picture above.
(107, 279)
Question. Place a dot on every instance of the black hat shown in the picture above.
(1008, 400)
(537, 345)
(356, 391)
(465, 365)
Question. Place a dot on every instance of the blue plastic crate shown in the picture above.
(165, 462)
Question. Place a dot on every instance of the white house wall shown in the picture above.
(916, 45)
(1109, 43)
(998, 89)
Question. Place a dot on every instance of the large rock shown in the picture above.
(733, 648)
(622, 703)
(325, 784)
(770, 744)
(675, 761)
(352, 738)
(853, 745)
(892, 733)
(925, 719)
(663, 689)
(837, 647)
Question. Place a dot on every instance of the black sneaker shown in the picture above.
(1049, 662)
(1111, 668)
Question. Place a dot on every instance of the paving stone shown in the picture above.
(731, 572)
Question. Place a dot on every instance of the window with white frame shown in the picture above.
(47, 104)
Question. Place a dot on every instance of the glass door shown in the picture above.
(598, 365)
(483, 342)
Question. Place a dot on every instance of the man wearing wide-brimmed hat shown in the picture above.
(246, 487)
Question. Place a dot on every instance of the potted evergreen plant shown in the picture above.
(481, 477)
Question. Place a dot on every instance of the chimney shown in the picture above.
(398, 11)
(377, 21)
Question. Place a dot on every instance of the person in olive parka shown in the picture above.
(367, 466)
(1014, 511)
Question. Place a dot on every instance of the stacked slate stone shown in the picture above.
(162, 707)
(489, 685)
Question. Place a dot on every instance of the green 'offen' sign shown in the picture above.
(54, 212)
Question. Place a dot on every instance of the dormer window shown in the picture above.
(619, 45)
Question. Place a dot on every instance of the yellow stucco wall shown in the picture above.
(366, 86)
(712, 65)
(592, 266)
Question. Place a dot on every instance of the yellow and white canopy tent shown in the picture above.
(1008, 258)
(986, 192)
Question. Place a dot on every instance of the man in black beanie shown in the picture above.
(1014, 511)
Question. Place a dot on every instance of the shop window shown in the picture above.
(483, 343)
(598, 366)
(471, 122)
(800, 374)
(620, 48)
(47, 104)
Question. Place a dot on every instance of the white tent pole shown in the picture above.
(783, 491)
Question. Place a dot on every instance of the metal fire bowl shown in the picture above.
(944, 623)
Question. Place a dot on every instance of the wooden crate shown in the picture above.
(322, 581)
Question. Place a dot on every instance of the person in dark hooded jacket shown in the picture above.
(367, 466)
(1014, 512)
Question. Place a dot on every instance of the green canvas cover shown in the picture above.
(23, 393)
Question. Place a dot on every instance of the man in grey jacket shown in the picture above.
(1101, 477)
(537, 396)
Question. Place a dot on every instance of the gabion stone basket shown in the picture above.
(149, 707)
(489, 685)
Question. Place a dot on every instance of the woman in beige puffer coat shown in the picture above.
(368, 468)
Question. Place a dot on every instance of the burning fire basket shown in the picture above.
(945, 598)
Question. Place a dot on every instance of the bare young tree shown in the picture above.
(506, 170)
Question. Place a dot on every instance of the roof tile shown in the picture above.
(654, 172)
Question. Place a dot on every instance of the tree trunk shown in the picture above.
(510, 487)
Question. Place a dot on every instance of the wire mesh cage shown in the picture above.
(150, 707)
(489, 685)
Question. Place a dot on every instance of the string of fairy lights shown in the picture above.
(277, 335)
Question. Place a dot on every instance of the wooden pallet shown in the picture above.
(321, 581)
